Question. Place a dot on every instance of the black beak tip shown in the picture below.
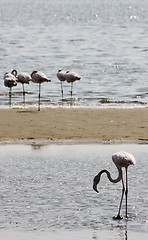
(95, 189)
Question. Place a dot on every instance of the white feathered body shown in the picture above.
(71, 77)
(39, 77)
(123, 159)
(10, 80)
(24, 77)
(61, 75)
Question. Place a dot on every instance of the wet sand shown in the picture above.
(74, 124)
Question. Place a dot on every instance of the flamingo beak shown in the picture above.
(95, 187)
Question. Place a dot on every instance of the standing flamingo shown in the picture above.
(23, 77)
(10, 81)
(70, 78)
(39, 77)
(120, 159)
(61, 77)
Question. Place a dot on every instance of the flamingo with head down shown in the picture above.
(121, 160)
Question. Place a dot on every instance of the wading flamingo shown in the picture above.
(39, 77)
(120, 159)
(71, 77)
(10, 81)
(22, 77)
(61, 77)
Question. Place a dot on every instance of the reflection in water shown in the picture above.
(95, 236)
(37, 146)
(123, 232)
(123, 235)
(112, 233)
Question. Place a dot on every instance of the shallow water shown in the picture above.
(105, 42)
(47, 190)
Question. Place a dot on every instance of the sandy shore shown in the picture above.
(64, 124)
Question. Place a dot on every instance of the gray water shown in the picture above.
(48, 189)
(104, 41)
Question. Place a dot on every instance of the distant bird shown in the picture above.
(39, 77)
(120, 159)
(10, 81)
(22, 77)
(71, 77)
(61, 77)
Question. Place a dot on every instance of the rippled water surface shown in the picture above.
(104, 41)
(47, 189)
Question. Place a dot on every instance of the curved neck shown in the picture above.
(109, 176)
(14, 72)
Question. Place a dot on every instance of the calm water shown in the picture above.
(105, 42)
(48, 189)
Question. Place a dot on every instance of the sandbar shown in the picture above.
(74, 124)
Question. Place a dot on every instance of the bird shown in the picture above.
(22, 77)
(71, 77)
(10, 81)
(61, 77)
(39, 77)
(121, 160)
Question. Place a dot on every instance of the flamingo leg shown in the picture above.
(123, 190)
(10, 97)
(71, 88)
(39, 96)
(62, 90)
(23, 93)
(126, 192)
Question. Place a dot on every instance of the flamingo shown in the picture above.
(10, 81)
(120, 159)
(61, 77)
(23, 77)
(71, 77)
(39, 77)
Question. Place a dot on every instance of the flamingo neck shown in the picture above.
(14, 72)
(109, 176)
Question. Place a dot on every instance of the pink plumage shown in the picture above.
(121, 160)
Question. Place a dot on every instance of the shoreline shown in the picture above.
(74, 125)
(71, 142)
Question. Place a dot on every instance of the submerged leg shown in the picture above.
(123, 190)
(39, 96)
